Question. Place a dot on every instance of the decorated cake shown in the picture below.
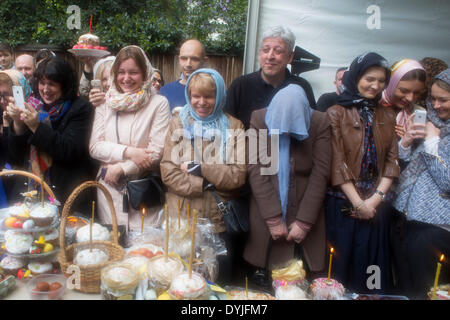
(119, 282)
(185, 288)
(322, 289)
(88, 41)
(162, 272)
(442, 292)
(51, 236)
(250, 295)
(20, 211)
(99, 233)
(38, 268)
(18, 242)
(87, 257)
(139, 265)
(290, 292)
(43, 215)
(11, 264)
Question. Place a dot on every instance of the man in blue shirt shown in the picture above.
(192, 57)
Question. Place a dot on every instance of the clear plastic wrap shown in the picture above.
(184, 287)
(289, 281)
(161, 272)
(237, 293)
(119, 282)
(322, 289)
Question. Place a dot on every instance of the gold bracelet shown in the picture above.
(359, 205)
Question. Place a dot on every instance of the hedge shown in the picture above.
(156, 26)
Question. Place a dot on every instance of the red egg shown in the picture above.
(17, 225)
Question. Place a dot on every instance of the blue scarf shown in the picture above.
(288, 115)
(217, 121)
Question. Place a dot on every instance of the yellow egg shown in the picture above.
(164, 296)
(10, 221)
(48, 247)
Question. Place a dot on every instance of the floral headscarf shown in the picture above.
(18, 79)
(130, 102)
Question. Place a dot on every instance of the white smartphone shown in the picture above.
(420, 117)
(96, 84)
(19, 98)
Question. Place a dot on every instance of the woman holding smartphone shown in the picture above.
(407, 84)
(423, 198)
(364, 165)
(50, 136)
(128, 133)
(101, 82)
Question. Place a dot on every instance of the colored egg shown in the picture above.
(10, 221)
(17, 225)
(28, 225)
(48, 247)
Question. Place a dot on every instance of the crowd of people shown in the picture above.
(358, 172)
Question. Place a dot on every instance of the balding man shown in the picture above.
(192, 57)
(25, 64)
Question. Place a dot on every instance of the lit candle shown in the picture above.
(329, 266)
(436, 278)
(90, 24)
(166, 246)
(42, 193)
(143, 216)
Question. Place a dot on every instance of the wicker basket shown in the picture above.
(90, 275)
(29, 175)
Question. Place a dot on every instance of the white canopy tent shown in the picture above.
(337, 31)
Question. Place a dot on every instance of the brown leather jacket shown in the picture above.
(348, 143)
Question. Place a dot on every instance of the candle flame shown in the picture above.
(442, 258)
(331, 250)
(143, 211)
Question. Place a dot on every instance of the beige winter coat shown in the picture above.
(145, 128)
(188, 188)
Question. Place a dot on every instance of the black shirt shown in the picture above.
(327, 100)
(250, 92)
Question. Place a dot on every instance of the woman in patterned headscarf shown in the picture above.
(363, 168)
(128, 133)
(423, 196)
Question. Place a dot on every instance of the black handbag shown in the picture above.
(145, 192)
(235, 213)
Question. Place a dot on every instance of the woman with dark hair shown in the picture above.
(364, 165)
(51, 135)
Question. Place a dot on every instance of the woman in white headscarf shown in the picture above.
(129, 131)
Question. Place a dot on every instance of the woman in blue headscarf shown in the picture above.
(204, 147)
(288, 189)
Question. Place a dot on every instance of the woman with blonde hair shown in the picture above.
(102, 72)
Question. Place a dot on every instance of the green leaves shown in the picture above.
(158, 26)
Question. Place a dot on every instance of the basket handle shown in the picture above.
(68, 206)
(32, 176)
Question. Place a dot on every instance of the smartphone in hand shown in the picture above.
(96, 84)
(19, 97)
(420, 117)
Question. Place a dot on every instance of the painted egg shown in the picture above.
(28, 225)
